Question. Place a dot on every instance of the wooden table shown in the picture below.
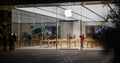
(73, 40)
(89, 41)
(59, 42)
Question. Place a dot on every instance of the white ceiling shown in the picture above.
(58, 12)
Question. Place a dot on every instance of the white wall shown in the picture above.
(66, 28)
(76, 29)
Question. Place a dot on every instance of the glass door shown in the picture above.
(69, 35)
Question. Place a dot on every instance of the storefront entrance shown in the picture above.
(49, 28)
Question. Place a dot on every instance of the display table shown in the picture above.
(89, 41)
(60, 42)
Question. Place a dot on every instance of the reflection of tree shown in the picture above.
(110, 38)
(90, 30)
(5, 27)
(5, 23)
(37, 33)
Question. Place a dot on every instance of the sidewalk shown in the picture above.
(53, 56)
(44, 47)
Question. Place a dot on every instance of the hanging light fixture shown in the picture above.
(68, 12)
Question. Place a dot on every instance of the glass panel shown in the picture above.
(50, 28)
(31, 29)
(69, 35)
(48, 35)
(44, 31)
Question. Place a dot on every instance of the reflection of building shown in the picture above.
(88, 30)
(94, 29)
(35, 30)
(46, 31)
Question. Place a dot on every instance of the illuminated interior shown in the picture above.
(48, 27)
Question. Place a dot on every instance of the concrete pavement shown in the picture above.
(54, 56)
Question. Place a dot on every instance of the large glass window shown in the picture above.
(52, 27)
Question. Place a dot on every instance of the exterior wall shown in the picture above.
(76, 29)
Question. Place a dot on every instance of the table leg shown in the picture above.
(75, 43)
(52, 43)
(87, 43)
(48, 43)
(60, 44)
(69, 44)
(40, 43)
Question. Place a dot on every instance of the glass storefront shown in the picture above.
(50, 27)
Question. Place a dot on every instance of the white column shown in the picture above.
(19, 29)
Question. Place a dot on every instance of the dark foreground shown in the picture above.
(54, 56)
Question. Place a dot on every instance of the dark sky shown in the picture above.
(16, 2)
